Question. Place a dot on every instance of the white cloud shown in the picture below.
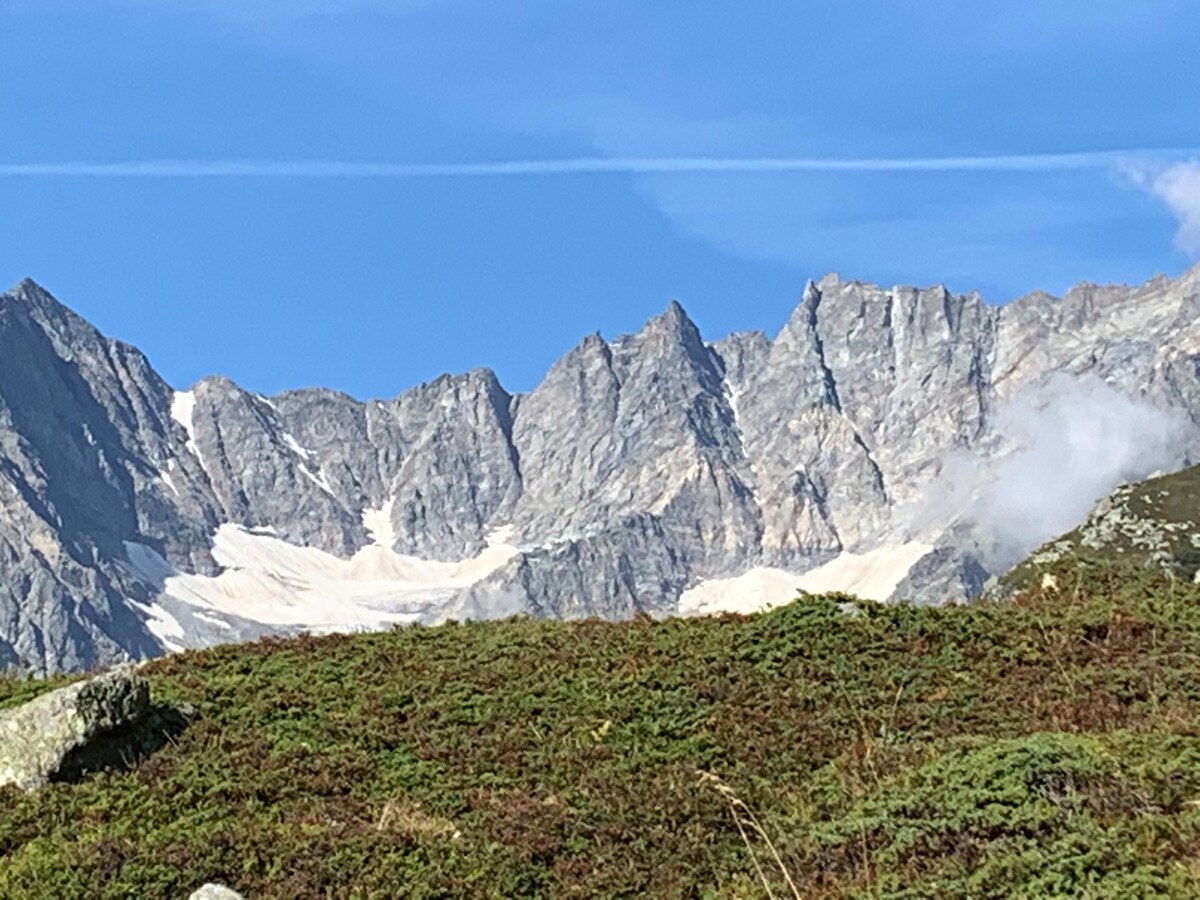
(1064, 424)
(1083, 426)
(1178, 186)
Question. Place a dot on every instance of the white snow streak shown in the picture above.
(183, 408)
(162, 624)
(319, 480)
(306, 456)
(294, 446)
(213, 620)
(165, 477)
(378, 523)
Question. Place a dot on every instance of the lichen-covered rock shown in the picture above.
(37, 737)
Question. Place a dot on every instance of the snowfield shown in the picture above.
(272, 583)
(873, 575)
(269, 581)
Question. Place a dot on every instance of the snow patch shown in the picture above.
(213, 620)
(271, 582)
(499, 537)
(318, 478)
(873, 575)
(162, 624)
(378, 523)
(183, 410)
(752, 591)
(294, 446)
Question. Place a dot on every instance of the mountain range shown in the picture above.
(899, 443)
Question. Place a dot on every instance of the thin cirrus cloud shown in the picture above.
(194, 168)
(749, 219)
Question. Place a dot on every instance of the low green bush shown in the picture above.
(1048, 746)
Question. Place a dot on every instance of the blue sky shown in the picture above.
(358, 273)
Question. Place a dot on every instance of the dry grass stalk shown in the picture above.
(407, 818)
(746, 822)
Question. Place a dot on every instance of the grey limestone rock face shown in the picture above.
(83, 427)
(9, 659)
(627, 569)
(639, 426)
(261, 475)
(743, 356)
(97, 451)
(636, 468)
(949, 573)
(863, 391)
(459, 474)
(357, 445)
(37, 737)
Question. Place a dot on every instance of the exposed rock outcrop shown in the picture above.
(38, 738)
(215, 892)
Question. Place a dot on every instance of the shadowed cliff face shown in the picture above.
(635, 469)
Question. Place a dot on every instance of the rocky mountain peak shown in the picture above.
(673, 324)
(668, 345)
(28, 290)
(136, 519)
(25, 284)
(47, 309)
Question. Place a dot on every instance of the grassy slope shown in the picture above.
(1046, 746)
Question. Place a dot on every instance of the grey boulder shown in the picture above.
(37, 737)
(215, 892)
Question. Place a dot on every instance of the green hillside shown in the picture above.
(1044, 747)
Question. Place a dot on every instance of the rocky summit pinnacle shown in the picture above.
(866, 447)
